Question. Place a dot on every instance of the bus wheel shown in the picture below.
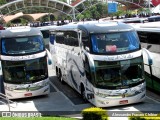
(83, 94)
(60, 77)
(57, 73)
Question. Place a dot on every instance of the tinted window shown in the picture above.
(60, 37)
(115, 42)
(25, 71)
(71, 38)
(143, 37)
(119, 73)
(85, 39)
(45, 33)
(152, 19)
(153, 38)
(22, 45)
(149, 37)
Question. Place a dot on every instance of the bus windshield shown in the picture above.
(115, 42)
(119, 74)
(25, 71)
(22, 45)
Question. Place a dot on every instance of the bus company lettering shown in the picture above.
(26, 57)
(119, 57)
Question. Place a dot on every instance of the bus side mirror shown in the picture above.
(87, 49)
(150, 61)
(52, 39)
(49, 57)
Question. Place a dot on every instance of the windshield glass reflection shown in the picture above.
(22, 45)
(115, 42)
(119, 74)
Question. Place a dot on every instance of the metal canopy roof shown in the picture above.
(57, 7)
(20, 5)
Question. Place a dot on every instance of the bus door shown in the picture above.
(87, 77)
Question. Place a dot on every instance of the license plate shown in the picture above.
(123, 102)
(28, 94)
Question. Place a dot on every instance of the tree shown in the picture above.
(2, 2)
(95, 12)
(119, 13)
(80, 17)
(63, 1)
(87, 14)
(23, 21)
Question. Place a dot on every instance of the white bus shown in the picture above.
(24, 62)
(149, 35)
(45, 33)
(102, 61)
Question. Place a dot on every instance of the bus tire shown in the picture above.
(46, 95)
(57, 73)
(60, 77)
(83, 92)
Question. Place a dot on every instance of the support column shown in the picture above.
(73, 13)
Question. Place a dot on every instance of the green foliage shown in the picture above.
(23, 21)
(140, 10)
(94, 113)
(45, 18)
(63, 1)
(87, 14)
(2, 2)
(9, 24)
(119, 13)
(96, 11)
(80, 17)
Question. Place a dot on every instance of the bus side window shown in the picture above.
(153, 38)
(143, 37)
(60, 39)
(66, 38)
(85, 39)
(3, 46)
(154, 42)
(45, 33)
(75, 36)
(52, 38)
(71, 38)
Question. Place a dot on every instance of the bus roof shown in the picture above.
(150, 27)
(20, 32)
(47, 27)
(132, 20)
(97, 27)
(154, 18)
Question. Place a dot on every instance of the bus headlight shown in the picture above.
(103, 102)
(101, 95)
(10, 88)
